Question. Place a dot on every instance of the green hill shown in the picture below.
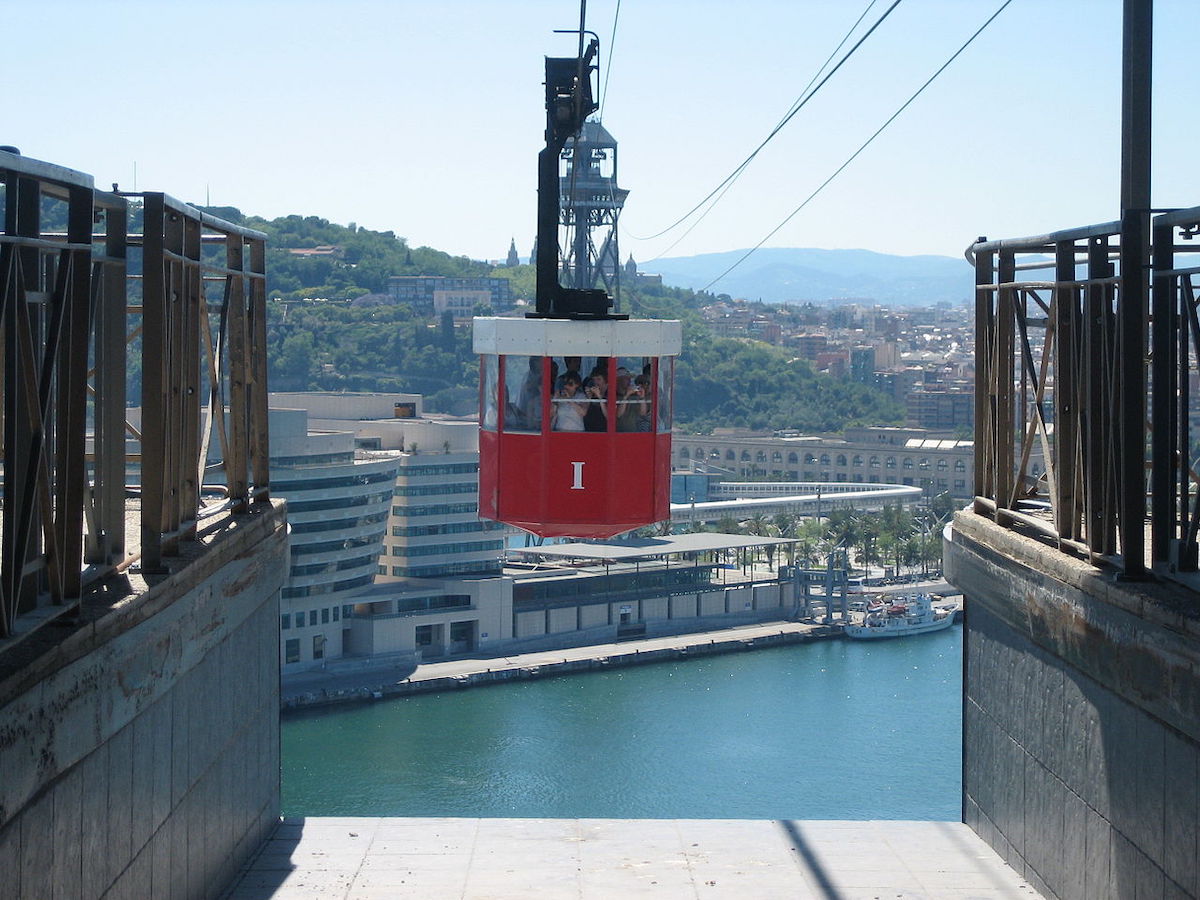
(319, 339)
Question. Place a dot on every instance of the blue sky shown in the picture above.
(425, 118)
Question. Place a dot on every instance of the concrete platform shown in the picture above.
(516, 859)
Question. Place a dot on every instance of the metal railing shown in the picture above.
(1068, 445)
(64, 348)
(48, 310)
(1175, 370)
(200, 357)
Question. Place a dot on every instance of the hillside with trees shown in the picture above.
(319, 338)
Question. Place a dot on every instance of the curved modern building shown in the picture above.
(338, 501)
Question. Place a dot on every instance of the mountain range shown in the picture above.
(801, 275)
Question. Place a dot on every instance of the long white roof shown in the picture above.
(643, 548)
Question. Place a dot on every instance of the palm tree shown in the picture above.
(757, 525)
(728, 525)
(785, 525)
(868, 533)
(843, 529)
(811, 533)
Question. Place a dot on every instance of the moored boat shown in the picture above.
(904, 616)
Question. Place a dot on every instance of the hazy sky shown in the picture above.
(426, 118)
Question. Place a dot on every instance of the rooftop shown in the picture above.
(645, 548)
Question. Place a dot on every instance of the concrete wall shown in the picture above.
(740, 599)
(140, 756)
(768, 596)
(530, 624)
(1081, 731)
(683, 606)
(712, 603)
(560, 620)
(593, 615)
(655, 608)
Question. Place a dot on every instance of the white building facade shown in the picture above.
(338, 505)
(437, 588)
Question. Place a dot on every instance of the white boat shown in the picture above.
(904, 616)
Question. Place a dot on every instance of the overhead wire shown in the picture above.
(863, 147)
(573, 221)
(612, 41)
(794, 108)
(797, 105)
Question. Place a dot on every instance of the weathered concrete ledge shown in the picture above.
(1139, 639)
(1081, 718)
(140, 749)
(542, 664)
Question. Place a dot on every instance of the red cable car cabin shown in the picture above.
(590, 457)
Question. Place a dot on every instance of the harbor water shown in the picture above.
(836, 729)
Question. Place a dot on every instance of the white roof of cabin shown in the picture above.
(575, 337)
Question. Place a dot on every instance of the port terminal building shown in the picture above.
(585, 593)
(418, 575)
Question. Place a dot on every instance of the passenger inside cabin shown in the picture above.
(631, 401)
(595, 419)
(569, 405)
(530, 400)
(570, 364)
(643, 385)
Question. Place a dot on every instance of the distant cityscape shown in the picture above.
(922, 357)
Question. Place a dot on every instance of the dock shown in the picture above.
(323, 689)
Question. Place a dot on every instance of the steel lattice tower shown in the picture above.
(589, 207)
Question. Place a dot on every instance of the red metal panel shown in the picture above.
(575, 484)
(662, 477)
(489, 479)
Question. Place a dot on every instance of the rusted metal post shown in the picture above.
(1002, 379)
(1137, 56)
(1166, 378)
(984, 336)
(257, 330)
(154, 388)
(1066, 390)
(107, 545)
(239, 365)
(71, 425)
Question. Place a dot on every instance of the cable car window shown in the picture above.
(634, 393)
(597, 388)
(569, 405)
(491, 375)
(523, 394)
(662, 398)
(580, 389)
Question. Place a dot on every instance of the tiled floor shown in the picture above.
(499, 859)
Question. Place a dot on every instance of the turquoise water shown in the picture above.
(831, 730)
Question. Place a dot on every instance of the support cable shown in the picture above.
(612, 42)
(571, 227)
(797, 105)
(864, 146)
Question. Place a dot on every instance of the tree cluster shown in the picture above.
(894, 537)
(363, 262)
